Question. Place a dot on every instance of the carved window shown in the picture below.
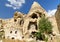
(15, 20)
(10, 31)
(34, 16)
(15, 32)
(32, 25)
(13, 38)
(33, 33)
(22, 22)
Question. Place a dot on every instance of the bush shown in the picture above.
(46, 39)
(39, 36)
(45, 27)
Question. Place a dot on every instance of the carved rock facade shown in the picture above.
(22, 25)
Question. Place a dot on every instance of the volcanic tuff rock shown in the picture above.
(22, 25)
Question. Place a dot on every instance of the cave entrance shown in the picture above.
(34, 16)
(32, 26)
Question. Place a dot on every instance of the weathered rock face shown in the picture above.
(22, 25)
(12, 31)
(54, 24)
(57, 15)
(31, 19)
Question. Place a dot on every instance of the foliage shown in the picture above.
(46, 39)
(45, 27)
(39, 36)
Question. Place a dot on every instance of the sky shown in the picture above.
(8, 7)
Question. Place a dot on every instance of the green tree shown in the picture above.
(45, 27)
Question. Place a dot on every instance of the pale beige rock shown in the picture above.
(25, 24)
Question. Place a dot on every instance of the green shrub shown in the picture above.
(46, 39)
(39, 36)
(45, 27)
